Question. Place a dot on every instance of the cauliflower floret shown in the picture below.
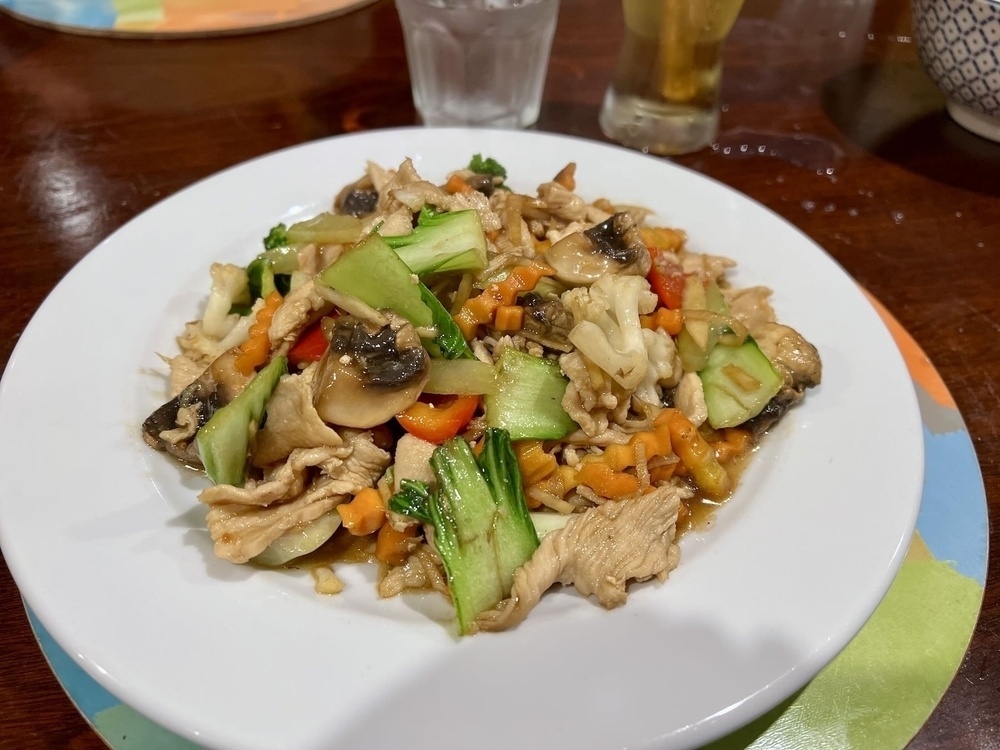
(607, 329)
(664, 366)
(203, 349)
(229, 285)
(690, 399)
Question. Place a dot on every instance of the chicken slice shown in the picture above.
(705, 265)
(302, 306)
(795, 359)
(292, 422)
(241, 532)
(243, 521)
(562, 203)
(751, 306)
(599, 552)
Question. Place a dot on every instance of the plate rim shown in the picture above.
(709, 728)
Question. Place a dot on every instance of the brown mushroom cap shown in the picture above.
(370, 373)
(613, 246)
(219, 384)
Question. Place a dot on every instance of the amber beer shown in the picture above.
(664, 95)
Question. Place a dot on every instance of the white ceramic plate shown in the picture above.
(105, 537)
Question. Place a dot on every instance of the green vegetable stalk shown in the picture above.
(482, 529)
(452, 241)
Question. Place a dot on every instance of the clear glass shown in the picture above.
(664, 97)
(478, 62)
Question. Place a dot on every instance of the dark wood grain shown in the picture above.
(829, 121)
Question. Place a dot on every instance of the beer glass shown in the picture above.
(664, 97)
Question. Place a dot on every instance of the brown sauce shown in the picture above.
(699, 511)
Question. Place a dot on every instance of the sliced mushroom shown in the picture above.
(484, 183)
(614, 246)
(357, 199)
(547, 321)
(172, 427)
(370, 372)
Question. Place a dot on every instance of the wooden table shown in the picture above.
(857, 152)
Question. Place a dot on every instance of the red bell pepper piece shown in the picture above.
(437, 422)
(666, 279)
(310, 347)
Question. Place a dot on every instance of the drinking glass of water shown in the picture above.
(664, 97)
(478, 62)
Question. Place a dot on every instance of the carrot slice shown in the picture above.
(365, 514)
(393, 546)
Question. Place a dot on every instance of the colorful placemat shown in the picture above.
(877, 693)
(174, 18)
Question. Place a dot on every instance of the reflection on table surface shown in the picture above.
(828, 120)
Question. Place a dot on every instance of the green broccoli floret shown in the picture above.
(277, 237)
(489, 166)
(450, 241)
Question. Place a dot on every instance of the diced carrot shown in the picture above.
(456, 184)
(509, 318)
(738, 438)
(651, 443)
(531, 500)
(535, 464)
(393, 546)
(365, 514)
(698, 456)
(605, 481)
(663, 238)
(254, 351)
(553, 484)
(735, 442)
(481, 308)
(523, 279)
(619, 457)
(663, 418)
(568, 476)
(670, 321)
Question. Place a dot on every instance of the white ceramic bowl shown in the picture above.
(959, 46)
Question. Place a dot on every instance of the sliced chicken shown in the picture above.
(243, 521)
(599, 552)
(292, 422)
(562, 203)
(751, 305)
(795, 359)
(303, 306)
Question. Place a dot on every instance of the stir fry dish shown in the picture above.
(481, 391)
